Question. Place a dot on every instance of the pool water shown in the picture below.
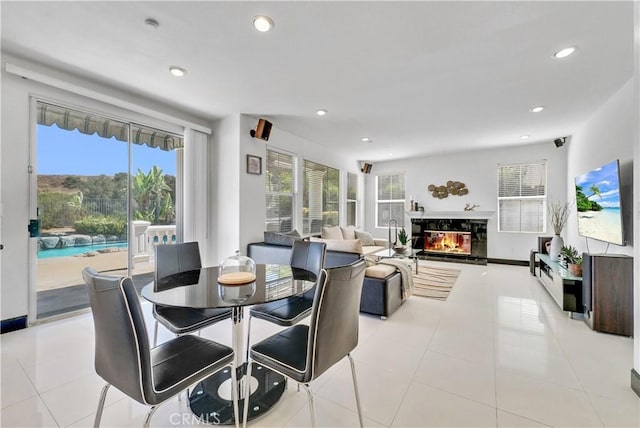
(74, 251)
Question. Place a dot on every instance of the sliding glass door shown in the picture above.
(105, 193)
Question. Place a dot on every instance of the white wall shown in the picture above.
(478, 170)
(612, 133)
(635, 114)
(606, 136)
(225, 200)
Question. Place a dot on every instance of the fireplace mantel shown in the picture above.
(451, 214)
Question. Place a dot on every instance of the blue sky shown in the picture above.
(606, 178)
(70, 152)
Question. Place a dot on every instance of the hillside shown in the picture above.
(61, 183)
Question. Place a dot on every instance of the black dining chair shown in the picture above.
(124, 359)
(303, 353)
(306, 257)
(169, 261)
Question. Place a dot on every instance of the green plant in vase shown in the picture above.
(574, 260)
(403, 238)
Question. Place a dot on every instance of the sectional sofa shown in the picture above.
(382, 287)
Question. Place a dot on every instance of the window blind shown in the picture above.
(352, 198)
(390, 199)
(522, 197)
(280, 187)
(321, 197)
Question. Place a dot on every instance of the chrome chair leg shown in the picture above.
(152, 410)
(155, 334)
(234, 394)
(355, 388)
(312, 407)
(103, 396)
(247, 393)
(248, 348)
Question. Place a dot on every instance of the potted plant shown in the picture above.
(403, 238)
(574, 260)
(558, 215)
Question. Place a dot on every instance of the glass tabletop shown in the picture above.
(390, 252)
(200, 288)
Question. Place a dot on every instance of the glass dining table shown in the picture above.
(210, 400)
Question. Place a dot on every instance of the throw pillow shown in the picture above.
(365, 238)
(331, 232)
(344, 245)
(283, 239)
(348, 232)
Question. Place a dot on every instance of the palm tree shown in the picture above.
(595, 191)
(149, 190)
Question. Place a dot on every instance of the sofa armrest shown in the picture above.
(381, 243)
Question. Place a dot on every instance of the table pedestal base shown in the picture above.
(210, 406)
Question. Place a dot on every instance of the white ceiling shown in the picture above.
(416, 77)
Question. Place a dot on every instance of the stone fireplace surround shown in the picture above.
(472, 222)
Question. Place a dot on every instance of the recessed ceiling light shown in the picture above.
(563, 53)
(536, 109)
(151, 24)
(390, 154)
(366, 139)
(321, 112)
(177, 71)
(524, 137)
(263, 23)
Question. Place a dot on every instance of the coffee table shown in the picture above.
(389, 253)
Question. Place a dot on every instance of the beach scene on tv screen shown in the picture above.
(598, 204)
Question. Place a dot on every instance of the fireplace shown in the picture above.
(444, 242)
(452, 239)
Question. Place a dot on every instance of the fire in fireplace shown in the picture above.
(448, 242)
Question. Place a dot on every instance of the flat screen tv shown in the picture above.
(599, 205)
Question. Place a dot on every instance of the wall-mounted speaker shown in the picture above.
(366, 168)
(263, 130)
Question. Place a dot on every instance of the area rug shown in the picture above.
(434, 282)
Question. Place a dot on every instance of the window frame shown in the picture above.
(309, 165)
(403, 201)
(353, 201)
(543, 198)
(294, 187)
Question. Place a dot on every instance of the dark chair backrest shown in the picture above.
(176, 258)
(333, 330)
(308, 256)
(340, 258)
(122, 354)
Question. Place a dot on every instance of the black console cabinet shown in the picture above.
(607, 282)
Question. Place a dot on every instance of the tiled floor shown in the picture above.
(497, 353)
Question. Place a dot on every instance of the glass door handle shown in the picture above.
(34, 228)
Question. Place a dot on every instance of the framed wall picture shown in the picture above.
(254, 165)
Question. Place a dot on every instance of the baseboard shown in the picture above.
(635, 382)
(508, 262)
(13, 324)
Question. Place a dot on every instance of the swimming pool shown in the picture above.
(74, 251)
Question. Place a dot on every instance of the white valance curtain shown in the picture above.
(87, 123)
